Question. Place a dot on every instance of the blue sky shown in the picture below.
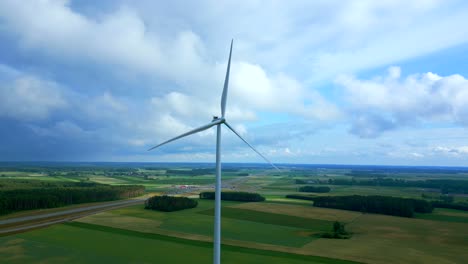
(341, 82)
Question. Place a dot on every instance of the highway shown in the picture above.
(19, 224)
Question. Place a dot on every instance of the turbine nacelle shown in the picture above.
(217, 119)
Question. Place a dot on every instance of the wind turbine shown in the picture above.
(218, 121)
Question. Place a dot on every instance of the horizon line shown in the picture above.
(253, 163)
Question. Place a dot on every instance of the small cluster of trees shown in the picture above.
(457, 206)
(319, 189)
(445, 186)
(36, 198)
(169, 203)
(234, 196)
(445, 201)
(435, 196)
(375, 204)
(338, 231)
(196, 171)
(300, 197)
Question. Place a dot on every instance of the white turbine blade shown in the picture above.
(226, 83)
(196, 130)
(245, 141)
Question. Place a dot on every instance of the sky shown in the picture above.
(320, 82)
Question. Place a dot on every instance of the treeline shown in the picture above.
(196, 172)
(300, 197)
(445, 201)
(457, 206)
(192, 172)
(65, 169)
(13, 184)
(234, 196)
(318, 189)
(37, 198)
(365, 174)
(375, 204)
(442, 198)
(169, 203)
(445, 186)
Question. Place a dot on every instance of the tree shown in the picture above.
(338, 228)
(446, 198)
(169, 203)
(337, 232)
(234, 196)
(318, 189)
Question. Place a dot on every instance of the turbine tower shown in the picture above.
(218, 121)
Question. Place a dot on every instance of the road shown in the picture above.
(19, 224)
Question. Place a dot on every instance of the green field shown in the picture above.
(446, 215)
(97, 244)
(388, 239)
(255, 232)
(237, 224)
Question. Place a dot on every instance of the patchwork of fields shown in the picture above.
(134, 234)
(280, 230)
(262, 232)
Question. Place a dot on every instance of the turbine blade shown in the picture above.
(196, 130)
(245, 141)
(226, 83)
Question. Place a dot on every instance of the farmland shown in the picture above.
(278, 230)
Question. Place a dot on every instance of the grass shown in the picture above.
(87, 243)
(375, 190)
(283, 200)
(272, 219)
(445, 215)
(388, 239)
(303, 211)
(266, 228)
(376, 239)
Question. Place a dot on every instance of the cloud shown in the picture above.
(62, 129)
(457, 151)
(26, 97)
(121, 77)
(319, 39)
(119, 40)
(388, 102)
(253, 87)
(367, 125)
(184, 106)
(123, 42)
(314, 40)
(103, 107)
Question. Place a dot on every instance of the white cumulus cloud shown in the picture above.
(29, 98)
(387, 102)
